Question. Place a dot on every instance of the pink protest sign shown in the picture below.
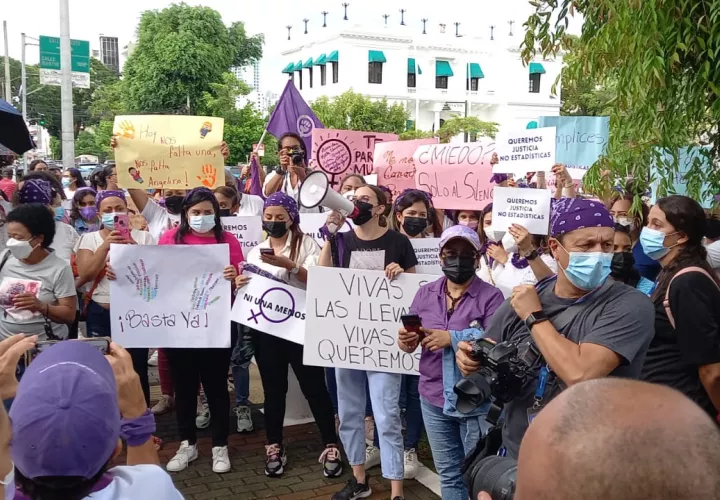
(456, 175)
(394, 164)
(340, 153)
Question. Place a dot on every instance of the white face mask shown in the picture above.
(628, 222)
(492, 235)
(509, 243)
(202, 223)
(20, 249)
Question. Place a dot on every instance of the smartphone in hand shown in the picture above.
(412, 323)
(102, 344)
(267, 251)
(122, 225)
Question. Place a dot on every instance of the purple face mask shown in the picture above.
(88, 213)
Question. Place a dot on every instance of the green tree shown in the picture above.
(181, 51)
(664, 58)
(55, 148)
(352, 111)
(581, 94)
(410, 135)
(473, 126)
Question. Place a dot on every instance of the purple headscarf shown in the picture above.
(569, 214)
(280, 199)
(36, 191)
(499, 178)
(108, 194)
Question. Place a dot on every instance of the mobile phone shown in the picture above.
(412, 323)
(122, 225)
(267, 251)
(102, 344)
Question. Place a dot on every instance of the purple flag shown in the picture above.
(292, 114)
(255, 186)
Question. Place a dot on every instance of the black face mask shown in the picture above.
(275, 229)
(174, 204)
(414, 225)
(622, 265)
(365, 214)
(225, 212)
(458, 269)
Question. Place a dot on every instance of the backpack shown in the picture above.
(666, 301)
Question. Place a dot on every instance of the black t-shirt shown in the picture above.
(377, 254)
(674, 356)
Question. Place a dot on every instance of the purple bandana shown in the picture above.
(569, 214)
(499, 178)
(280, 199)
(36, 191)
(108, 194)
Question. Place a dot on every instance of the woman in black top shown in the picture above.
(686, 357)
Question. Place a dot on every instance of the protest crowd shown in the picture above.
(550, 343)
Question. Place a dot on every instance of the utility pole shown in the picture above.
(23, 86)
(66, 97)
(8, 92)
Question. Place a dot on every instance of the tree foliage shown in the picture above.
(352, 111)
(411, 135)
(473, 126)
(582, 94)
(664, 60)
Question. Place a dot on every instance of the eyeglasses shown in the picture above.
(451, 254)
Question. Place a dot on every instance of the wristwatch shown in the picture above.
(532, 255)
(535, 318)
(295, 270)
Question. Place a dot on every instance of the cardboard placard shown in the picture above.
(523, 151)
(527, 207)
(581, 140)
(394, 163)
(427, 252)
(247, 229)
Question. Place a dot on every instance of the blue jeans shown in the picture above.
(385, 396)
(332, 389)
(410, 402)
(451, 438)
(240, 368)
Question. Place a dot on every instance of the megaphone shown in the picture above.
(316, 191)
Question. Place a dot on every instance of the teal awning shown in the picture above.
(298, 66)
(320, 61)
(474, 71)
(289, 68)
(376, 56)
(333, 57)
(442, 68)
(308, 63)
(536, 69)
(411, 66)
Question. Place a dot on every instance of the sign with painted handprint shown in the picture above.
(150, 306)
(168, 151)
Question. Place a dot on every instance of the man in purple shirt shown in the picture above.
(452, 309)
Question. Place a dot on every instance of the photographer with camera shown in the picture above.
(292, 171)
(573, 327)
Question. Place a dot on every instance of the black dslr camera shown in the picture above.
(297, 156)
(501, 376)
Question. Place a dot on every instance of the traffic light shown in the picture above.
(42, 122)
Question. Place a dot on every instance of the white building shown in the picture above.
(251, 76)
(434, 75)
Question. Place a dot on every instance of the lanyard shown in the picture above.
(542, 384)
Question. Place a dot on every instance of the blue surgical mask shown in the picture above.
(108, 220)
(59, 213)
(588, 270)
(653, 243)
(202, 223)
(66, 182)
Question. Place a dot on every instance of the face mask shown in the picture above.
(275, 229)
(492, 235)
(509, 243)
(414, 225)
(472, 224)
(458, 269)
(225, 212)
(713, 251)
(628, 222)
(588, 270)
(653, 243)
(88, 213)
(622, 265)
(108, 220)
(202, 223)
(20, 249)
(66, 182)
(59, 213)
(174, 204)
(365, 214)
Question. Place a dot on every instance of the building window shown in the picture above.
(472, 84)
(535, 83)
(322, 75)
(300, 73)
(411, 80)
(310, 80)
(441, 82)
(335, 72)
(374, 72)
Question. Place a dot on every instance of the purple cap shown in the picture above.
(65, 418)
(569, 214)
(463, 232)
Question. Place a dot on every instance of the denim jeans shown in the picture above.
(410, 402)
(385, 396)
(240, 368)
(332, 389)
(451, 438)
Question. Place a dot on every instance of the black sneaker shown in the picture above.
(275, 460)
(353, 490)
(398, 498)
(332, 462)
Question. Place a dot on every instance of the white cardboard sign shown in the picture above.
(525, 151)
(247, 229)
(271, 307)
(353, 317)
(170, 295)
(427, 251)
(527, 207)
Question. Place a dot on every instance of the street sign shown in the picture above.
(50, 62)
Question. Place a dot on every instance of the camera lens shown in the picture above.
(472, 391)
(297, 159)
(496, 476)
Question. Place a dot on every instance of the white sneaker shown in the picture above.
(164, 405)
(221, 460)
(202, 419)
(411, 464)
(372, 457)
(244, 419)
(153, 361)
(183, 457)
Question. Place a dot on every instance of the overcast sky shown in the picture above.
(90, 18)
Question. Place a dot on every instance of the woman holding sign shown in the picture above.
(200, 225)
(370, 245)
(286, 255)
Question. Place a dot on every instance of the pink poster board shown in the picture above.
(394, 163)
(340, 153)
(456, 175)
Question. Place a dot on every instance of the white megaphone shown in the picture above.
(316, 191)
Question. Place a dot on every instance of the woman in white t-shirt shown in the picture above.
(233, 203)
(93, 268)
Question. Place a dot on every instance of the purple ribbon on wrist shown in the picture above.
(137, 431)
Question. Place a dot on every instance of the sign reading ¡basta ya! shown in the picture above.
(166, 152)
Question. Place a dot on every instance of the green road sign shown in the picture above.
(50, 54)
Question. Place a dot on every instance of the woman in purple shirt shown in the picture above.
(452, 309)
